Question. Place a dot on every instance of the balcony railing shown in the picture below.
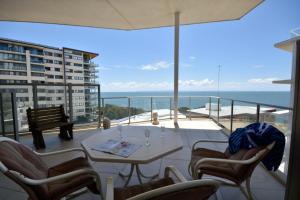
(227, 113)
(72, 96)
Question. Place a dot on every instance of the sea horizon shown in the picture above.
(279, 98)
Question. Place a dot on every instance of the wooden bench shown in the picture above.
(41, 119)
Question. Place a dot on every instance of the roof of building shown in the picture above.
(45, 46)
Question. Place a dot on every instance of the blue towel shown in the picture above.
(258, 134)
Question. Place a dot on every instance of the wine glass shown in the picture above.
(120, 130)
(147, 135)
(162, 129)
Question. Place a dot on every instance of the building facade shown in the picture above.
(24, 62)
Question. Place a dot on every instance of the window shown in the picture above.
(57, 55)
(77, 57)
(77, 65)
(68, 63)
(58, 98)
(13, 73)
(58, 77)
(34, 51)
(47, 53)
(39, 68)
(13, 66)
(70, 77)
(60, 91)
(57, 69)
(57, 62)
(78, 53)
(48, 61)
(47, 68)
(49, 76)
(37, 74)
(78, 78)
(78, 71)
(9, 56)
(11, 47)
(36, 59)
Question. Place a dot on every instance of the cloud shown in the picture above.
(257, 66)
(192, 57)
(156, 66)
(104, 68)
(185, 65)
(162, 85)
(262, 80)
(198, 83)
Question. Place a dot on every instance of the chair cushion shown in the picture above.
(127, 192)
(234, 172)
(62, 188)
(216, 169)
(18, 157)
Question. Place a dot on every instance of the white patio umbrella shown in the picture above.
(128, 15)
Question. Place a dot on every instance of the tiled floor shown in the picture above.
(263, 185)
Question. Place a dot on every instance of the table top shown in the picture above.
(160, 146)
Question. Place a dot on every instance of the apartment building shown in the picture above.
(24, 62)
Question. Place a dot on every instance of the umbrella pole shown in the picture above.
(176, 67)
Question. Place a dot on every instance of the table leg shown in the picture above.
(127, 175)
(140, 174)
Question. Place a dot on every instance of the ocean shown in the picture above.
(160, 99)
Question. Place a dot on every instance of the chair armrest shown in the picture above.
(175, 172)
(213, 141)
(69, 175)
(62, 151)
(109, 189)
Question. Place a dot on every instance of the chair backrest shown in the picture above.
(243, 171)
(19, 158)
(44, 116)
(190, 190)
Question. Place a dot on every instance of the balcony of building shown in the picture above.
(200, 117)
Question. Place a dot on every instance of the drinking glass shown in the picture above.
(120, 131)
(147, 135)
(162, 130)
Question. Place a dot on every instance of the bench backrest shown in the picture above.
(42, 117)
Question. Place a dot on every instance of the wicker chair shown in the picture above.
(27, 169)
(237, 168)
(164, 189)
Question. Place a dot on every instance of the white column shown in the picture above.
(176, 66)
(293, 180)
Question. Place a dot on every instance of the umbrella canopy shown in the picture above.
(128, 15)
(124, 14)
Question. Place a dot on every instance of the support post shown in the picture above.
(293, 180)
(257, 112)
(171, 108)
(176, 66)
(231, 116)
(218, 109)
(129, 110)
(35, 96)
(99, 106)
(190, 107)
(70, 102)
(151, 107)
(102, 104)
(15, 115)
(2, 115)
(209, 107)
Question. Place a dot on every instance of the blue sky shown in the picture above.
(143, 60)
